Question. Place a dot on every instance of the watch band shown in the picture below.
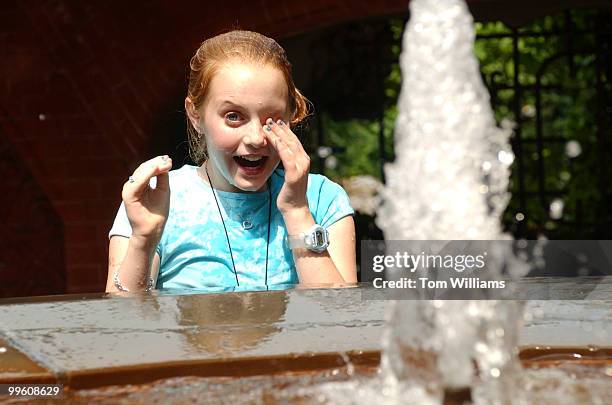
(297, 242)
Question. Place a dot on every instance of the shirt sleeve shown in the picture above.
(121, 226)
(334, 204)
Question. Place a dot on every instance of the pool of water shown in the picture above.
(566, 383)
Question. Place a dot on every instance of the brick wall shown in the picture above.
(82, 87)
(31, 232)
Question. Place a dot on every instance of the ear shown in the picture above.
(192, 114)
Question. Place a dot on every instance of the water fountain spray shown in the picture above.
(450, 176)
(449, 182)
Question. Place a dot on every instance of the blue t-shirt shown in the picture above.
(193, 248)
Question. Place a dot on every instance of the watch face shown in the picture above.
(315, 239)
(319, 238)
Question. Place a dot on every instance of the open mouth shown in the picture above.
(251, 161)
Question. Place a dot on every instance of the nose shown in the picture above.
(255, 137)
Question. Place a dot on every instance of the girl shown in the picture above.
(236, 220)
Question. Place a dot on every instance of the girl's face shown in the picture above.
(240, 99)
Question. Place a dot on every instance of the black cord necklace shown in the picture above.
(225, 229)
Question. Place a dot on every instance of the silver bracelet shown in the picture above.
(123, 288)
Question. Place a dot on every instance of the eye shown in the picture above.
(232, 117)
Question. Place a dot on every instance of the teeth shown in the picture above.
(252, 158)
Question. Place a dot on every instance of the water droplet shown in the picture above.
(583, 272)
(324, 151)
(505, 157)
(481, 347)
(573, 149)
(556, 208)
(331, 162)
(565, 175)
(431, 162)
(528, 111)
(507, 124)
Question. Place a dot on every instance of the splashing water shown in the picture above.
(449, 181)
(450, 177)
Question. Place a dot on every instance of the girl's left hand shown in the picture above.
(296, 162)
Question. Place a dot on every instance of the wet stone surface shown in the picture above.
(94, 340)
(99, 333)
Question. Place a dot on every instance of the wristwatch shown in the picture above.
(315, 239)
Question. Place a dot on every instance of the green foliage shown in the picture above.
(359, 147)
(567, 110)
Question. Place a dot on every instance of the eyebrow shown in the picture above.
(229, 103)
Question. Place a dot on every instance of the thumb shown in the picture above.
(139, 181)
(163, 181)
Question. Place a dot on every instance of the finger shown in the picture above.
(139, 181)
(281, 147)
(301, 160)
(286, 135)
(289, 148)
(286, 128)
(151, 168)
(296, 166)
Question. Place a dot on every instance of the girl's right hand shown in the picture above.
(147, 208)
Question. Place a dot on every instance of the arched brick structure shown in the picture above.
(83, 84)
(31, 235)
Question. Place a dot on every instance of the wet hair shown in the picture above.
(242, 46)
